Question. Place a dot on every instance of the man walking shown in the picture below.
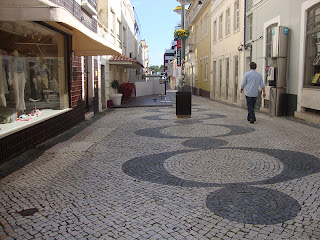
(251, 82)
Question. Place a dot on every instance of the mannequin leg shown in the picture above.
(3, 101)
(19, 82)
(15, 84)
(22, 82)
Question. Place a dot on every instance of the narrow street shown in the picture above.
(141, 173)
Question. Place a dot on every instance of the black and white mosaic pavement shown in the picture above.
(239, 198)
(141, 173)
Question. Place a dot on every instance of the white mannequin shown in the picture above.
(44, 71)
(19, 80)
(3, 79)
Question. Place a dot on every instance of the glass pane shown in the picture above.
(310, 14)
(32, 71)
(316, 21)
(312, 71)
(309, 24)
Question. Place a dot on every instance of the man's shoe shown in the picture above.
(252, 121)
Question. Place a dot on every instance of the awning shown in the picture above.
(126, 62)
(84, 41)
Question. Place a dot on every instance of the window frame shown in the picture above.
(215, 31)
(312, 47)
(236, 16)
(228, 22)
(250, 27)
(221, 27)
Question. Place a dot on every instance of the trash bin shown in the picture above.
(183, 104)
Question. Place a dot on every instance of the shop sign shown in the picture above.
(179, 53)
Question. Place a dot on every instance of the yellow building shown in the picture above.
(227, 37)
(198, 48)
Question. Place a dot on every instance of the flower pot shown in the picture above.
(116, 99)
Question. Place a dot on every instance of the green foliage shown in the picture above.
(115, 84)
(156, 68)
(181, 34)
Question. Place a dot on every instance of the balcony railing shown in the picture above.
(75, 9)
(90, 6)
(93, 3)
(197, 10)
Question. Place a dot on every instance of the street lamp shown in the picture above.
(178, 9)
(181, 10)
(183, 3)
(183, 98)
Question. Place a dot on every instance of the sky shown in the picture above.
(157, 21)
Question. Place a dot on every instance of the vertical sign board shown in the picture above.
(179, 53)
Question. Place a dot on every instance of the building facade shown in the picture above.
(56, 67)
(226, 37)
(283, 43)
(287, 55)
(198, 48)
(144, 56)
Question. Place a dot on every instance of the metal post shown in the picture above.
(183, 46)
(182, 27)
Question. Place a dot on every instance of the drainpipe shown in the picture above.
(244, 21)
(242, 99)
(244, 35)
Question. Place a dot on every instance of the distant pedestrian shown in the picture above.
(251, 82)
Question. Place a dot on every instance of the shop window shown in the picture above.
(32, 74)
(312, 67)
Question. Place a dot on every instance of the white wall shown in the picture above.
(285, 13)
(144, 88)
(150, 87)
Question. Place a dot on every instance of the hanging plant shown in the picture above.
(181, 34)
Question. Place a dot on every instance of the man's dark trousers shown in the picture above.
(251, 102)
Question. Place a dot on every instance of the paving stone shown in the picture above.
(141, 173)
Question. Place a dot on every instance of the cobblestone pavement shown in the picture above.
(141, 173)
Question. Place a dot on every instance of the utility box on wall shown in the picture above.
(279, 42)
(277, 72)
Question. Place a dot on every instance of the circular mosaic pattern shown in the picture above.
(209, 161)
(252, 205)
(223, 166)
(195, 131)
(204, 143)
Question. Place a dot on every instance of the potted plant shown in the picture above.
(116, 97)
(181, 34)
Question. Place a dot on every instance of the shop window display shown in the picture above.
(32, 73)
(312, 72)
